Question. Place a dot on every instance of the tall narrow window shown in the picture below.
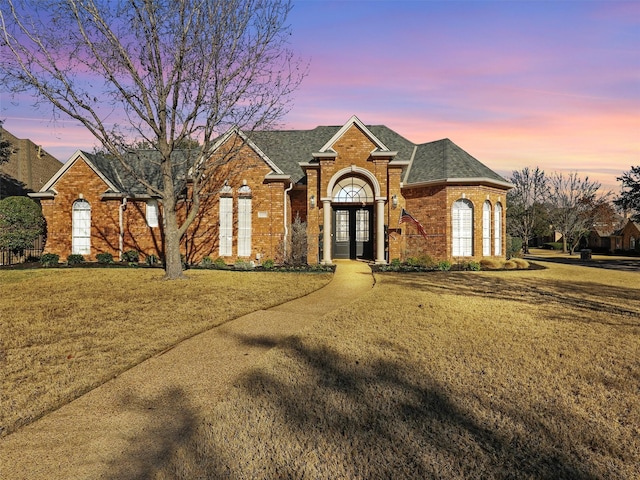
(462, 228)
(81, 228)
(244, 221)
(362, 225)
(497, 227)
(342, 226)
(486, 229)
(152, 213)
(226, 226)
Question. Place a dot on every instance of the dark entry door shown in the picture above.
(353, 232)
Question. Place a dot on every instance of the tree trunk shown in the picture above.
(173, 261)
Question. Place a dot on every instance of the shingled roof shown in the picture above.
(431, 162)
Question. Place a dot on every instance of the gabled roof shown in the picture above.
(145, 163)
(444, 161)
(433, 162)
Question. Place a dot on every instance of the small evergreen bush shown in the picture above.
(206, 262)
(151, 260)
(220, 263)
(268, 264)
(444, 265)
(49, 259)
(75, 259)
(131, 256)
(105, 258)
(474, 266)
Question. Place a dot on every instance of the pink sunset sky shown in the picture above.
(514, 83)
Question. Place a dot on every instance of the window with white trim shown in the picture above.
(486, 229)
(226, 226)
(244, 221)
(497, 227)
(81, 228)
(152, 213)
(462, 228)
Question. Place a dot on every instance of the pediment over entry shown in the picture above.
(327, 148)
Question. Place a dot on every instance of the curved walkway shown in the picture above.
(120, 428)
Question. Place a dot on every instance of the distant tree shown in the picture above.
(170, 70)
(574, 204)
(21, 222)
(5, 147)
(629, 198)
(527, 215)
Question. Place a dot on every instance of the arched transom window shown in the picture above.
(352, 190)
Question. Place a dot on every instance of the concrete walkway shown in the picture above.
(122, 428)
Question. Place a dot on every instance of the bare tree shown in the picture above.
(526, 215)
(169, 70)
(574, 204)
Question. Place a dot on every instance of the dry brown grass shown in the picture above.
(523, 374)
(65, 331)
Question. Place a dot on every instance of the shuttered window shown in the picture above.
(152, 213)
(486, 229)
(462, 228)
(81, 228)
(497, 218)
(226, 226)
(244, 222)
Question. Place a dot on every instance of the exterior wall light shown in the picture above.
(312, 201)
(394, 201)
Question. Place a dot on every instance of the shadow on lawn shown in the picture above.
(352, 419)
(580, 297)
(169, 421)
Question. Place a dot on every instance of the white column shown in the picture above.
(380, 231)
(326, 236)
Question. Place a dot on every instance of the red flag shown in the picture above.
(406, 217)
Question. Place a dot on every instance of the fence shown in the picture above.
(9, 258)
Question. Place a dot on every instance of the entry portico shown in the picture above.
(350, 187)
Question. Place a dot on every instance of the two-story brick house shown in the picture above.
(349, 183)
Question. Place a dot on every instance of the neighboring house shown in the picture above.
(349, 183)
(28, 169)
(627, 238)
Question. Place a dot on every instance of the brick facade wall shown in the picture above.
(430, 205)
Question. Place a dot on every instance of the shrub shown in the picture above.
(396, 262)
(243, 265)
(105, 257)
(553, 246)
(514, 247)
(21, 222)
(131, 256)
(220, 263)
(474, 266)
(75, 259)
(268, 264)
(151, 260)
(444, 265)
(206, 262)
(294, 252)
(49, 259)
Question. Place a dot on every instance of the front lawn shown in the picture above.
(530, 374)
(65, 331)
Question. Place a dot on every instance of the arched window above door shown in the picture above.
(352, 190)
